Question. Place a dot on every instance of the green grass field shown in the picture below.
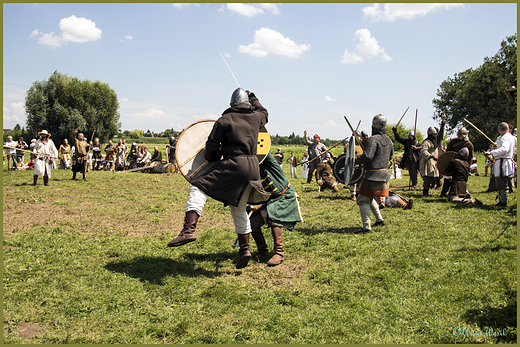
(87, 262)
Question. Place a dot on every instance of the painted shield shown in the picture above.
(189, 152)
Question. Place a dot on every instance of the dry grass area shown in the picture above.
(103, 205)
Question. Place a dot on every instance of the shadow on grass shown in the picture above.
(154, 270)
(499, 322)
(315, 231)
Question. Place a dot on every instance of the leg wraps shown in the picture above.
(241, 220)
(196, 200)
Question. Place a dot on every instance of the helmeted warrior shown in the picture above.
(410, 159)
(455, 145)
(458, 169)
(233, 178)
(429, 156)
(378, 151)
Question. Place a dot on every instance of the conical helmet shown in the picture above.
(240, 99)
(464, 153)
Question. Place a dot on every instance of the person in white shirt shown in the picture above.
(46, 153)
(504, 166)
(11, 152)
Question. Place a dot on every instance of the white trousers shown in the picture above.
(197, 199)
(366, 205)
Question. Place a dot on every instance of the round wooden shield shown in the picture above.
(339, 168)
(444, 160)
(357, 174)
(189, 152)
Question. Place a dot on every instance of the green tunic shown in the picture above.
(282, 207)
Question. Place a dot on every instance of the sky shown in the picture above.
(309, 64)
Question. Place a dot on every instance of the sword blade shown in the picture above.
(230, 69)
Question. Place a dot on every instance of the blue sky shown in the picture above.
(309, 64)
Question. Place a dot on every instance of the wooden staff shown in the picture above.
(26, 150)
(355, 134)
(86, 163)
(359, 123)
(493, 142)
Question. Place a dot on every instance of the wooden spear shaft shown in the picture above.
(26, 150)
(493, 142)
(355, 134)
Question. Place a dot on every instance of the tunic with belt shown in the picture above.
(282, 208)
(43, 163)
(378, 151)
(504, 156)
(82, 149)
(234, 138)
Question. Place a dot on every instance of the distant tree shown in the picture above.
(16, 127)
(62, 103)
(481, 95)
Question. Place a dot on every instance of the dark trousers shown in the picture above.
(79, 167)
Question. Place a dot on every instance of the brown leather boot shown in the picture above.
(35, 180)
(277, 258)
(243, 253)
(188, 231)
(46, 181)
(262, 252)
(409, 205)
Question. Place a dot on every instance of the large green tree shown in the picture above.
(481, 95)
(62, 103)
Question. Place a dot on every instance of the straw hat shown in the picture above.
(44, 132)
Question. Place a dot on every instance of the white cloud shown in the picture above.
(73, 29)
(181, 5)
(328, 98)
(270, 41)
(126, 38)
(14, 113)
(151, 114)
(251, 10)
(366, 48)
(392, 12)
(123, 100)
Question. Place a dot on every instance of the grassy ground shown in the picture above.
(87, 262)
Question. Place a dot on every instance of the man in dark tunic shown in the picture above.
(455, 145)
(458, 168)
(82, 149)
(378, 151)
(231, 180)
(410, 155)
